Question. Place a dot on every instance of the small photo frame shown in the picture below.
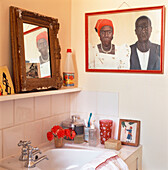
(6, 85)
(129, 132)
(33, 70)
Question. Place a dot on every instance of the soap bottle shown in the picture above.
(69, 71)
(92, 135)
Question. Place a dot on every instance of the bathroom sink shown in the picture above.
(67, 159)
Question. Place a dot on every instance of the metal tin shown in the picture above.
(75, 123)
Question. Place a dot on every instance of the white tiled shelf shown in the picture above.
(38, 94)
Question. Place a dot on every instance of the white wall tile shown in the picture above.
(62, 117)
(6, 114)
(103, 105)
(60, 104)
(73, 102)
(11, 137)
(86, 101)
(47, 125)
(107, 103)
(0, 144)
(42, 107)
(33, 132)
(24, 110)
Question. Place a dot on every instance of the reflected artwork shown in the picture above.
(36, 39)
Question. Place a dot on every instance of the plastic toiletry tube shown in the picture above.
(86, 131)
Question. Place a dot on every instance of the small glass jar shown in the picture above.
(92, 137)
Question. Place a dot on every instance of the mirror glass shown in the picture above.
(37, 56)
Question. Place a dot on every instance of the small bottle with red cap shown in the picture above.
(69, 71)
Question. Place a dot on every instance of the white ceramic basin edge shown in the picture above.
(67, 159)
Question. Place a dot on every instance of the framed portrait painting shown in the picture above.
(129, 132)
(125, 40)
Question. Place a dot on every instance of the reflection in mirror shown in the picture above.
(38, 58)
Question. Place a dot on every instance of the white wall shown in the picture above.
(141, 96)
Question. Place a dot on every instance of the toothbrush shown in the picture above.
(89, 119)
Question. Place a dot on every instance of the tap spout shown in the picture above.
(32, 164)
(40, 159)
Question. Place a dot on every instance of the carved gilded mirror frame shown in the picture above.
(21, 82)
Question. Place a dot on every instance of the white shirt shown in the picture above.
(119, 60)
(143, 59)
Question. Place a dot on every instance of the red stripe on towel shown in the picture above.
(106, 161)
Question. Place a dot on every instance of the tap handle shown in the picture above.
(24, 149)
(24, 143)
(32, 151)
(31, 148)
(35, 148)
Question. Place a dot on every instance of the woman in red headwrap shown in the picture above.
(44, 58)
(42, 45)
(105, 54)
(105, 30)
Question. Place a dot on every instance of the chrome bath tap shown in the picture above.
(24, 153)
(32, 161)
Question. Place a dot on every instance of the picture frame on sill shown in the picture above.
(118, 40)
(6, 84)
(129, 132)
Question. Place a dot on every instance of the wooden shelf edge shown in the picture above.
(38, 94)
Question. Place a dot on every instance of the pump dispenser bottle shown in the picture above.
(69, 71)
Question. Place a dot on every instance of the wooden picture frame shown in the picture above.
(129, 132)
(119, 53)
(22, 82)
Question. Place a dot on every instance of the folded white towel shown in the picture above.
(109, 160)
